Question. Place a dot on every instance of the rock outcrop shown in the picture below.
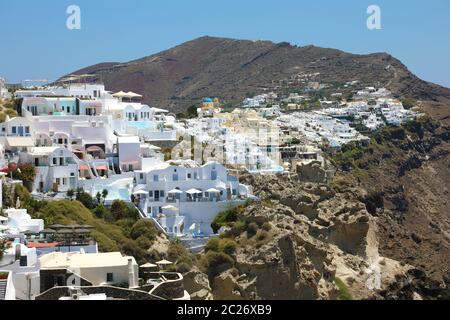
(316, 236)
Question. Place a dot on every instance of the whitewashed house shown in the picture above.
(56, 168)
(23, 266)
(184, 198)
(129, 153)
(97, 268)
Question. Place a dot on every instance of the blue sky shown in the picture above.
(35, 43)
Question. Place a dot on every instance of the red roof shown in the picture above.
(42, 245)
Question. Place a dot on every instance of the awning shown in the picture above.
(172, 208)
(102, 167)
(84, 167)
(20, 142)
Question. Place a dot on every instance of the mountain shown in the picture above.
(233, 69)
(386, 210)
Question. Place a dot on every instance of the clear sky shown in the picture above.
(35, 43)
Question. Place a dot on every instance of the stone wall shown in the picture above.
(171, 289)
(111, 292)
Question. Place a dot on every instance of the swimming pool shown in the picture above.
(115, 193)
(273, 169)
(142, 125)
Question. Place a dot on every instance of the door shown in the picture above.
(20, 131)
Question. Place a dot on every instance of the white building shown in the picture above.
(184, 197)
(97, 268)
(56, 168)
(4, 93)
(75, 90)
(18, 221)
(23, 266)
(129, 153)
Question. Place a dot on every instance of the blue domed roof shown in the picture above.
(207, 100)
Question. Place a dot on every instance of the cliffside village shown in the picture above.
(178, 173)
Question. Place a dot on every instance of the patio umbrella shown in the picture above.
(140, 192)
(48, 231)
(148, 265)
(65, 231)
(131, 94)
(164, 263)
(176, 191)
(193, 191)
(213, 190)
(57, 226)
(81, 231)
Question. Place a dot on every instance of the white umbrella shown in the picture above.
(120, 94)
(148, 265)
(164, 262)
(192, 227)
(133, 95)
(140, 192)
(213, 190)
(193, 191)
(176, 191)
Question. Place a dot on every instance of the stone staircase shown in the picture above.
(3, 289)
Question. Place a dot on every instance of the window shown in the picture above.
(150, 194)
(141, 176)
(161, 193)
(58, 181)
(27, 130)
(175, 177)
(23, 261)
(189, 176)
(156, 178)
(55, 161)
(14, 130)
(109, 277)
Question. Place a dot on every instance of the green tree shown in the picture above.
(98, 196)
(120, 210)
(25, 172)
(143, 228)
(104, 195)
(71, 194)
(85, 198)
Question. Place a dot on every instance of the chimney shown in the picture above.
(131, 275)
